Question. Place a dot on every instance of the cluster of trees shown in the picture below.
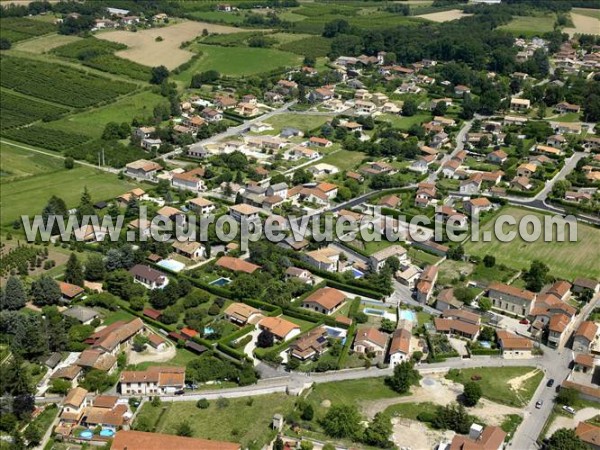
(404, 376)
(344, 421)
(209, 368)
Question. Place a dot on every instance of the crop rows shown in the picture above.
(16, 111)
(57, 83)
(19, 28)
(49, 138)
(99, 54)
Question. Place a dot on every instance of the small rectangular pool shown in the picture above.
(220, 282)
(172, 265)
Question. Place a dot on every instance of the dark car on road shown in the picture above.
(180, 392)
(550, 382)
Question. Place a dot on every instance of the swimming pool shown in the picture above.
(208, 330)
(406, 314)
(220, 282)
(107, 432)
(485, 344)
(337, 333)
(357, 273)
(172, 265)
(86, 434)
(380, 313)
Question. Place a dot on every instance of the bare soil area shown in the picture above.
(583, 25)
(144, 48)
(572, 421)
(445, 16)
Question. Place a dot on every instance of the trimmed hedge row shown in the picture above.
(237, 334)
(355, 289)
(484, 351)
(233, 353)
(350, 334)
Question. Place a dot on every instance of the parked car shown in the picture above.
(539, 404)
(180, 392)
(524, 322)
(550, 382)
(568, 409)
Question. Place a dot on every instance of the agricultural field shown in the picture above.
(404, 122)
(584, 24)
(144, 48)
(565, 259)
(313, 46)
(46, 137)
(17, 29)
(99, 54)
(92, 122)
(243, 420)
(237, 61)
(60, 84)
(530, 25)
(30, 194)
(595, 13)
(45, 44)
(16, 111)
(445, 16)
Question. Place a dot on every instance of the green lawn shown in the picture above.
(351, 392)
(92, 122)
(411, 410)
(494, 383)
(489, 274)
(304, 122)
(565, 259)
(530, 25)
(343, 159)
(17, 163)
(45, 43)
(243, 420)
(403, 122)
(451, 270)
(237, 61)
(419, 256)
(375, 246)
(29, 195)
(304, 324)
(115, 316)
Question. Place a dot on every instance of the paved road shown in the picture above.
(460, 145)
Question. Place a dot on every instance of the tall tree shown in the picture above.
(94, 268)
(13, 296)
(55, 207)
(45, 291)
(74, 271)
(403, 378)
(85, 208)
(342, 421)
(379, 431)
(565, 439)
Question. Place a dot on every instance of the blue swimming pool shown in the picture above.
(107, 432)
(357, 273)
(406, 314)
(86, 434)
(485, 344)
(220, 282)
(208, 330)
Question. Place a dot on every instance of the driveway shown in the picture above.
(152, 355)
(572, 421)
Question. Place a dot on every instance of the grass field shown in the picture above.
(530, 25)
(495, 383)
(351, 392)
(181, 359)
(343, 159)
(303, 122)
(18, 163)
(404, 123)
(29, 195)
(565, 259)
(92, 122)
(237, 61)
(243, 420)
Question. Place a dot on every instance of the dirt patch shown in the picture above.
(152, 355)
(440, 391)
(583, 25)
(145, 49)
(517, 382)
(415, 435)
(445, 16)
